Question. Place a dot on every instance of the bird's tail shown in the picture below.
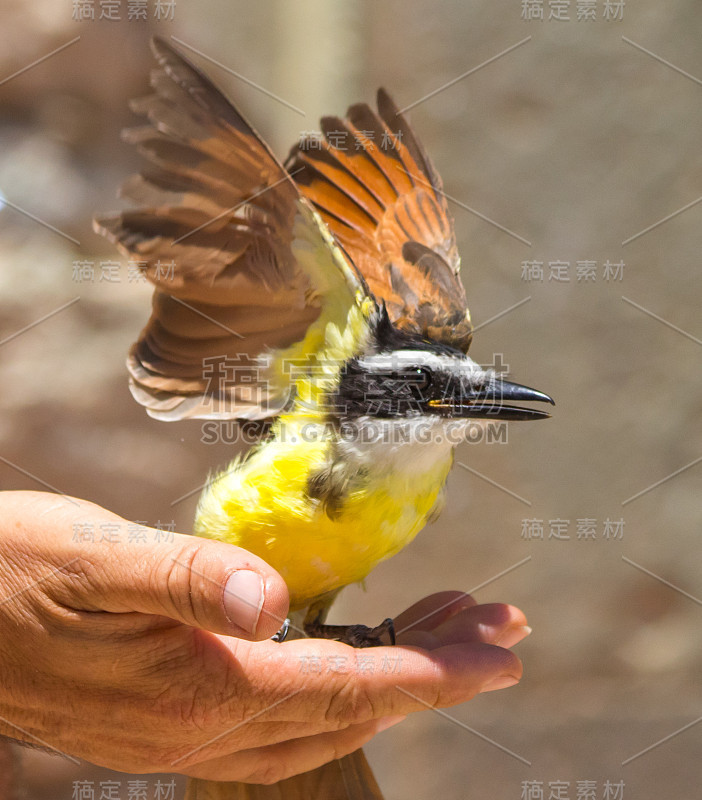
(348, 778)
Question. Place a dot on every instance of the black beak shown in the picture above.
(471, 402)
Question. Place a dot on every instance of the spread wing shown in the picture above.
(216, 234)
(379, 194)
(225, 233)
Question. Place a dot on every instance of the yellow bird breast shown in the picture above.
(263, 503)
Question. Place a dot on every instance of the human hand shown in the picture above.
(141, 657)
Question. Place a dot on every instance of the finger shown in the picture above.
(280, 761)
(201, 582)
(432, 611)
(204, 583)
(446, 676)
(331, 681)
(375, 683)
(492, 623)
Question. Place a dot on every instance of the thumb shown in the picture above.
(201, 582)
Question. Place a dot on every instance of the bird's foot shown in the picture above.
(353, 635)
(282, 634)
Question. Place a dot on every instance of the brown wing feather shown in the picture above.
(214, 238)
(378, 192)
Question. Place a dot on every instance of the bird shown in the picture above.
(318, 297)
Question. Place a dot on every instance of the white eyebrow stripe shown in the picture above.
(399, 360)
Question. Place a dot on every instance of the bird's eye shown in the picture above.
(423, 377)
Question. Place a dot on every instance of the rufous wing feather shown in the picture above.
(377, 191)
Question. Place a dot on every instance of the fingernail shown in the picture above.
(501, 682)
(513, 635)
(387, 722)
(243, 599)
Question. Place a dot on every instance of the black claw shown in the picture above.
(282, 634)
(390, 627)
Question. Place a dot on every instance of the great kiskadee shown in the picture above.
(322, 295)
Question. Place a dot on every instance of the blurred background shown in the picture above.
(567, 134)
